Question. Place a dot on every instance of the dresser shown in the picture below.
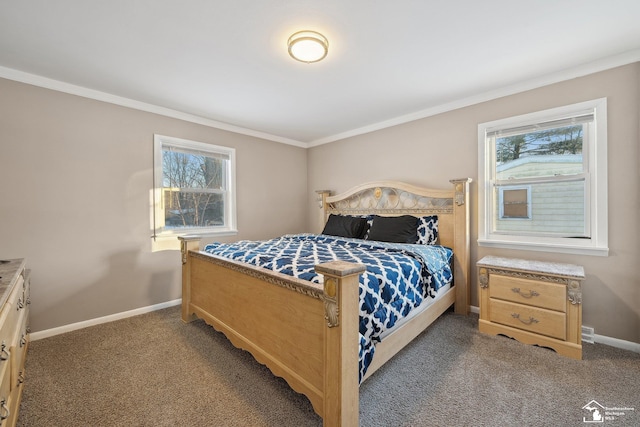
(533, 302)
(14, 336)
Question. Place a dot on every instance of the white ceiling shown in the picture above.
(225, 63)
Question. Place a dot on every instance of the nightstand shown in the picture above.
(533, 302)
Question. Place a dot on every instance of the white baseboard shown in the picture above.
(106, 319)
(615, 342)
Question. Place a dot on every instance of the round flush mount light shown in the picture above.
(308, 46)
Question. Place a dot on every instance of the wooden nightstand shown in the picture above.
(534, 302)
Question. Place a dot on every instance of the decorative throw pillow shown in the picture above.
(369, 219)
(345, 226)
(428, 230)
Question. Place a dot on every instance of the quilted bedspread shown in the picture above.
(398, 276)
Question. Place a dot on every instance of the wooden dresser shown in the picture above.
(534, 302)
(14, 336)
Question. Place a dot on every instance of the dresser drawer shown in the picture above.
(10, 311)
(8, 324)
(532, 319)
(18, 351)
(14, 337)
(530, 292)
(5, 392)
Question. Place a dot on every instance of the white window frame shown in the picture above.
(167, 239)
(596, 202)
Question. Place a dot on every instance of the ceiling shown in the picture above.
(225, 63)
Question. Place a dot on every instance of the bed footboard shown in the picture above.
(303, 332)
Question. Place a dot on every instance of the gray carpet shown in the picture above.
(153, 370)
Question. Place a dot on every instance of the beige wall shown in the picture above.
(76, 175)
(433, 150)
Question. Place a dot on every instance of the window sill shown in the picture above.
(565, 248)
(170, 242)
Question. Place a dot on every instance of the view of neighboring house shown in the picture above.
(556, 206)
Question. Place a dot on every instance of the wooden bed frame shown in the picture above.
(308, 333)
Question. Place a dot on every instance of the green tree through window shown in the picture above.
(563, 140)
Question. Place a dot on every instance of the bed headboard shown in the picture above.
(392, 198)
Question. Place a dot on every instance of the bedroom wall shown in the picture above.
(76, 175)
(433, 150)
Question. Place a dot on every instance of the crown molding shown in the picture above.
(47, 83)
(567, 74)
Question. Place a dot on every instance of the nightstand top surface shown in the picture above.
(556, 268)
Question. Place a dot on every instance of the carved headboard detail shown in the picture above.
(390, 198)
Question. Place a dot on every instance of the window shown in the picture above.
(515, 203)
(194, 190)
(543, 180)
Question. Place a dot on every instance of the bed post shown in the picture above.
(187, 243)
(322, 204)
(341, 384)
(461, 251)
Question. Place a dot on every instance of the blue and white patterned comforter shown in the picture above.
(398, 276)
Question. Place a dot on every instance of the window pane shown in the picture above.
(193, 209)
(548, 152)
(557, 208)
(184, 170)
(515, 203)
(193, 188)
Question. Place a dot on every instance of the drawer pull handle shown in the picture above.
(20, 378)
(526, 322)
(4, 354)
(530, 295)
(20, 304)
(4, 411)
(23, 340)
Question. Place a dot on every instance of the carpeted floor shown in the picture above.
(154, 370)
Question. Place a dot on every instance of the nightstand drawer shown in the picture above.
(532, 319)
(529, 292)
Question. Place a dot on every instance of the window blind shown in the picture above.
(535, 127)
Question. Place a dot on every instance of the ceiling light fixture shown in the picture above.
(308, 46)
